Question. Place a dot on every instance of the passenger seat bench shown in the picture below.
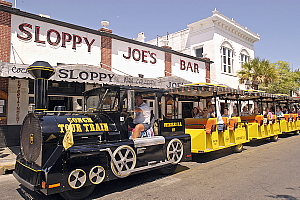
(209, 124)
(253, 119)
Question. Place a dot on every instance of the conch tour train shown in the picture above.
(117, 134)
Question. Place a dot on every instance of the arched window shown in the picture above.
(244, 57)
(227, 58)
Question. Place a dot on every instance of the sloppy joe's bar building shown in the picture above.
(82, 58)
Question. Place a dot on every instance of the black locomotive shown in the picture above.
(72, 152)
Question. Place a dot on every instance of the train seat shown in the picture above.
(233, 123)
(209, 124)
(149, 141)
(287, 117)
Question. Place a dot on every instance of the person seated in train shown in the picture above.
(293, 110)
(197, 112)
(226, 113)
(279, 112)
(206, 113)
(212, 110)
(245, 111)
(268, 113)
(255, 111)
(142, 117)
(285, 110)
(235, 112)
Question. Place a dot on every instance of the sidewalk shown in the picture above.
(8, 158)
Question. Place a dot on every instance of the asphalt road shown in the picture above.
(264, 170)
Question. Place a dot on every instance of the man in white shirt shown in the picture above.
(142, 117)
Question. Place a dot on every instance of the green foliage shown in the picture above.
(259, 72)
(287, 80)
(275, 78)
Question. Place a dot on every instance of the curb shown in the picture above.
(5, 168)
(7, 160)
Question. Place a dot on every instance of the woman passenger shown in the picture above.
(226, 113)
(196, 113)
(268, 113)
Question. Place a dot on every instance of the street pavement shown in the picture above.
(7, 159)
(264, 170)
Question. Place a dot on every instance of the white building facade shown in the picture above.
(222, 40)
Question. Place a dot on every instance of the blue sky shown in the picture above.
(276, 21)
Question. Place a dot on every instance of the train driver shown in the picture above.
(142, 117)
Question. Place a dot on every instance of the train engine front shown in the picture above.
(70, 153)
(46, 162)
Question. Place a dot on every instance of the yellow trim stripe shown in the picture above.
(35, 170)
(29, 69)
(39, 66)
(254, 91)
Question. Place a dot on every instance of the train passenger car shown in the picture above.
(211, 134)
(72, 152)
(289, 122)
(261, 125)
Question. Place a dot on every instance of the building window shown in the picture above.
(227, 60)
(199, 52)
(244, 58)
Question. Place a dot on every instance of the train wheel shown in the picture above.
(237, 148)
(175, 151)
(97, 174)
(77, 178)
(80, 193)
(124, 160)
(274, 138)
(170, 169)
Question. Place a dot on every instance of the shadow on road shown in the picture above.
(214, 155)
(120, 185)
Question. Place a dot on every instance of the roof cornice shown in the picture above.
(222, 22)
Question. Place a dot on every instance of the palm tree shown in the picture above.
(258, 72)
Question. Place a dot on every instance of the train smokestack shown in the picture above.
(41, 71)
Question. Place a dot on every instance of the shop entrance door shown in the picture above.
(187, 109)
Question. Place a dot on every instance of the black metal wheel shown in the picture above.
(76, 194)
(237, 148)
(170, 169)
(274, 138)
